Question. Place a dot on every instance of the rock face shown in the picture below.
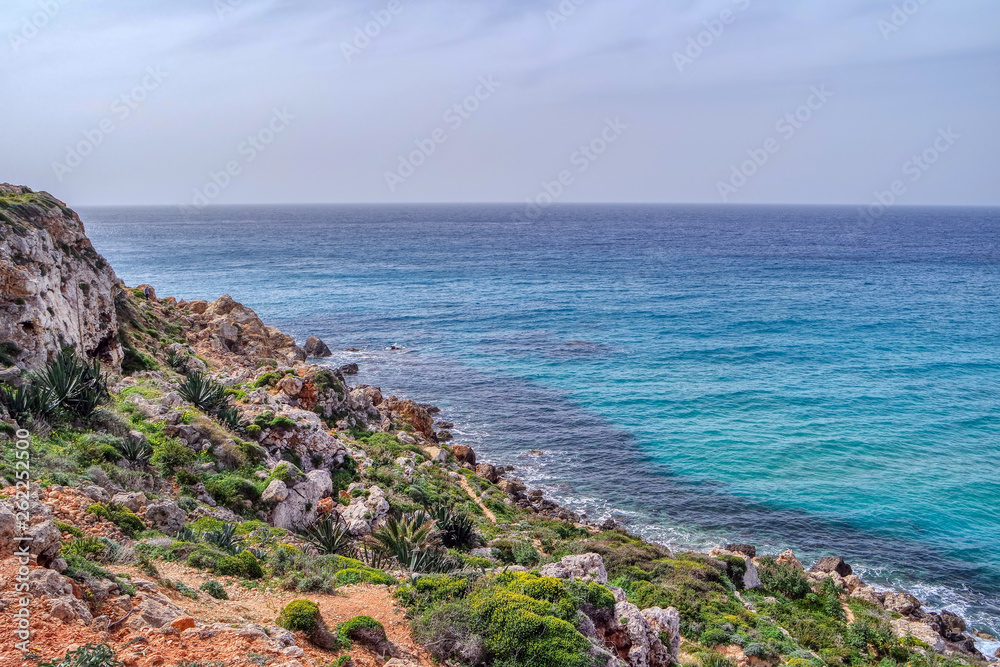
(901, 603)
(315, 347)
(55, 289)
(364, 514)
(637, 640)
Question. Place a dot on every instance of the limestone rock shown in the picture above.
(666, 622)
(488, 472)
(275, 492)
(832, 564)
(901, 603)
(464, 454)
(904, 627)
(364, 514)
(788, 558)
(869, 594)
(46, 540)
(299, 508)
(154, 611)
(8, 530)
(589, 567)
(166, 516)
(55, 289)
(182, 623)
(635, 635)
(133, 501)
(315, 347)
(747, 550)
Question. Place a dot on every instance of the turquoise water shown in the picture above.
(791, 377)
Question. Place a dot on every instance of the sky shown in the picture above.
(201, 102)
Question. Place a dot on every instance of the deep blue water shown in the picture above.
(792, 377)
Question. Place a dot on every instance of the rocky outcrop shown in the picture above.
(299, 508)
(637, 640)
(365, 513)
(166, 516)
(229, 330)
(588, 567)
(829, 564)
(55, 289)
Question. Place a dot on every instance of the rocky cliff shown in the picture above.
(55, 289)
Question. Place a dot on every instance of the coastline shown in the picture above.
(212, 423)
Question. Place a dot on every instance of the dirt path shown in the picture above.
(486, 510)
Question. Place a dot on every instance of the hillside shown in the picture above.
(198, 490)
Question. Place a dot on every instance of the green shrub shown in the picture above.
(122, 517)
(232, 491)
(786, 580)
(171, 455)
(299, 616)
(91, 655)
(215, 589)
(361, 628)
(203, 393)
(352, 576)
(244, 566)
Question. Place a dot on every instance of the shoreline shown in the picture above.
(652, 532)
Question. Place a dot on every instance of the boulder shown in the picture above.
(869, 594)
(154, 611)
(69, 609)
(464, 454)
(132, 501)
(952, 626)
(96, 493)
(166, 516)
(589, 567)
(488, 472)
(46, 540)
(904, 627)
(830, 564)
(901, 603)
(8, 531)
(315, 347)
(349, 369)
(275, 492)
(747, 550)
(364, 514)
(291, 386)
(298, 510)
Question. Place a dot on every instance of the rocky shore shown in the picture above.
(198, 487)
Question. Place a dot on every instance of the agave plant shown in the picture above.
(402, 537)
(28, 402)
(136, 451)
(231, 418)
(73, 384)
(225, 539)
(204, 393)
(186, 534)
(329, 537)
(372, 556)
(456, 528)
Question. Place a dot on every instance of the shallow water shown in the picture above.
(791, 377)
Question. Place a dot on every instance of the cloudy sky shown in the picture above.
(126, 102)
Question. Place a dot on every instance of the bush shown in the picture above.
(171, 455)
(448, 632)
(122, 517)
(364, 629)
(91, 655)
(232, 491)
(244, 566)
(215, 589)
(352, 576)
(786, 580)
(299, 616)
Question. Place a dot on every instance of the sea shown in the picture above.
(791, 377)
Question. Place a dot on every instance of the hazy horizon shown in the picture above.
(199, 102)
